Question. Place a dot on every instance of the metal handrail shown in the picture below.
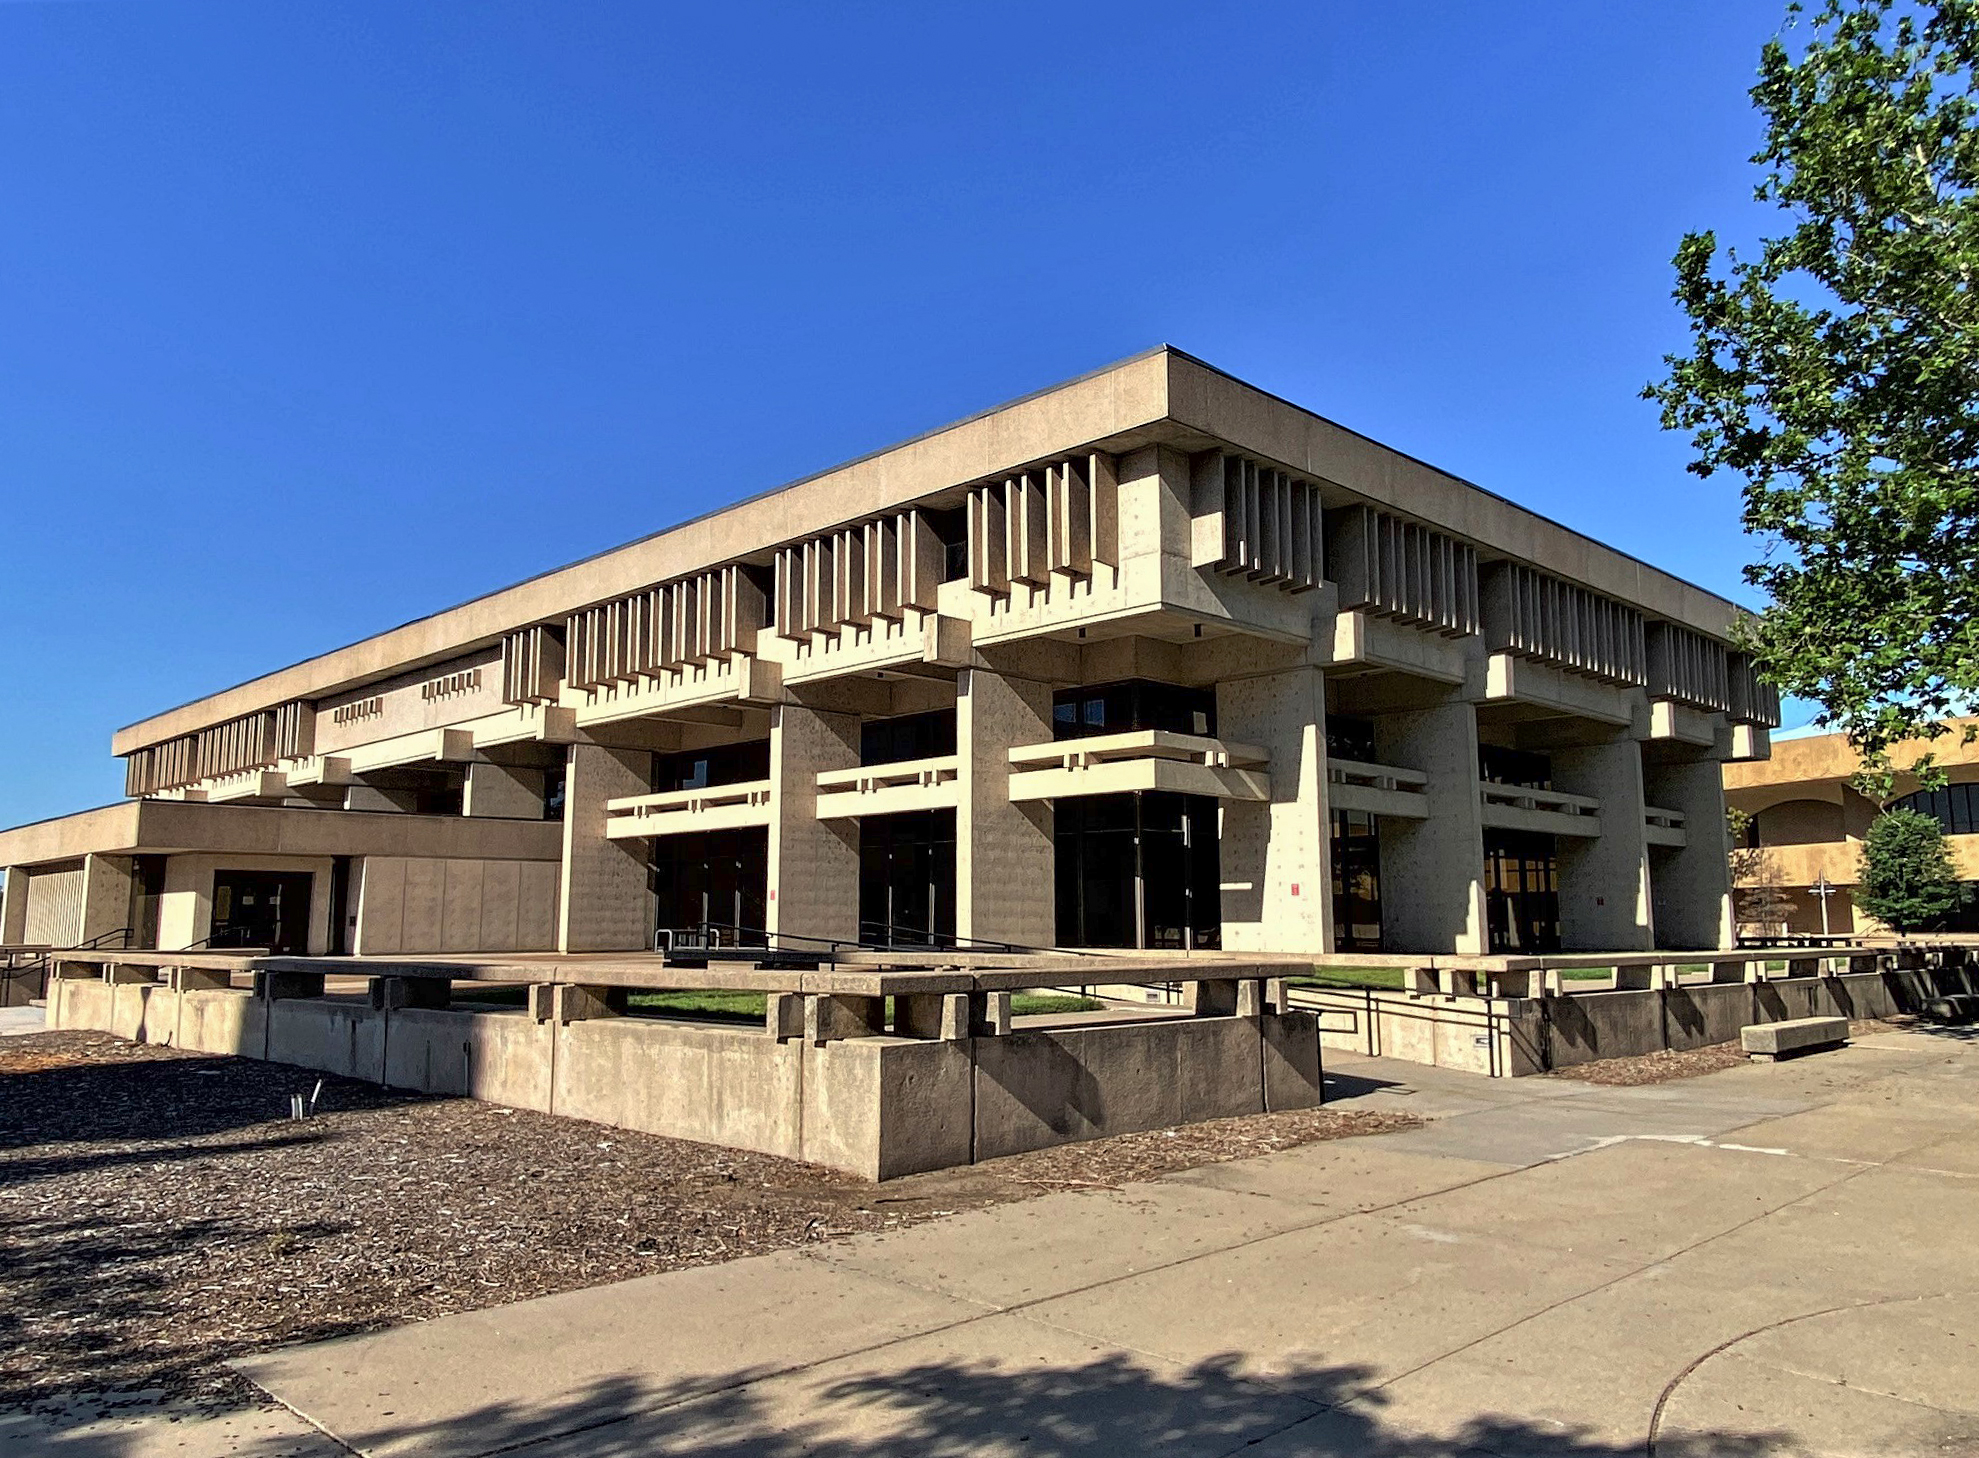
(668, 940)
(42, 960)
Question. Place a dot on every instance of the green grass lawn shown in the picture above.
(1391, 977)
(1029, 1004)
(714, 1007)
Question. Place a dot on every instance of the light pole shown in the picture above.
(1824, 890)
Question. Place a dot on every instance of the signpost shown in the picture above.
(1823, 888)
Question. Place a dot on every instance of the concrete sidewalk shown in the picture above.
(1773, 1259)
(17, 1020)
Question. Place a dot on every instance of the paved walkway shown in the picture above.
(1772, 1259)
(17, 1020)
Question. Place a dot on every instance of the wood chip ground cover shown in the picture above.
(1668, 1066)
(160, 1212)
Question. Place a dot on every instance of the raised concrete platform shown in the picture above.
(826, 1079)
(1775, 1259)
(1769, 1041)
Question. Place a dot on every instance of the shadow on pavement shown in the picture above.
(1111, 1405)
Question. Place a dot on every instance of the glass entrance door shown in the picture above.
(1521, 891)
(713, 886)
(1138, 870)
(1356, 882)
(907, 879)
(262, 909)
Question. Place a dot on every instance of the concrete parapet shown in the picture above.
(565, 1002)
(989, 1014)
(870, 1103)
(942, 1015)
(398, 992)
(272, 984)
(196, 979)
(828, 1019)
(1511, 1036)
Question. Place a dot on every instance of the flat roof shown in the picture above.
(1162, 394)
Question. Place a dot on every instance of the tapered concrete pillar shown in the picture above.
(1274, 855)
(13, 908)
(1004, 887)
(503, 791)
(1604, 879)
(1691, 887)
(1432, 871)
(814, 864)
(606, 901)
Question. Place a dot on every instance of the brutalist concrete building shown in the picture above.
(1150, 659)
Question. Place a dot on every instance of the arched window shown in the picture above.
(1956, 807)
(1799, 822)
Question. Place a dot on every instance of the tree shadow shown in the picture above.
(1112, 1404)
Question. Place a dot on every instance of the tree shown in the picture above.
(1838, 370)
(1908, 881)
(1759, 895)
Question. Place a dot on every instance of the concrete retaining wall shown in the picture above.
(1514, 1036)
(875, 1106)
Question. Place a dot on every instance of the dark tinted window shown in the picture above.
(911, 736)
(1350, 738)
(1955, 807)
(1116, 708)
(1514, 767)
(701, 769)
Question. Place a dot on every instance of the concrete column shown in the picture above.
(1691, 888)
(605, 902)
(13, 909)
(1604, 879)
(814, 864)
(1275, 855)
(1004, 857)
(1432, 871)
(503, 791)
(106, 896)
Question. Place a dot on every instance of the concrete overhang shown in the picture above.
(168, 827)
(1161, 397)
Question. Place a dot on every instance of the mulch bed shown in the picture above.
(1664, 1067)
(160, 1212)
(1667, 1067)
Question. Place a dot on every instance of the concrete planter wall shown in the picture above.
(873, 1106)
(1514, 1036)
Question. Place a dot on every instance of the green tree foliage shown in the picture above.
(1907, 877)
(1837, 370)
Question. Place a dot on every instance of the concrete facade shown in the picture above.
(1151, 610)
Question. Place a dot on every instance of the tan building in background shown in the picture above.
(1148, 659)
(1805, 822)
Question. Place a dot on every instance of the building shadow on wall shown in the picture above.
(1113, 1404)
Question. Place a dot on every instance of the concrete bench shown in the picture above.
(1768, 1041)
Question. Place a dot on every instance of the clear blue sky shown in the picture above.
(316, 318)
